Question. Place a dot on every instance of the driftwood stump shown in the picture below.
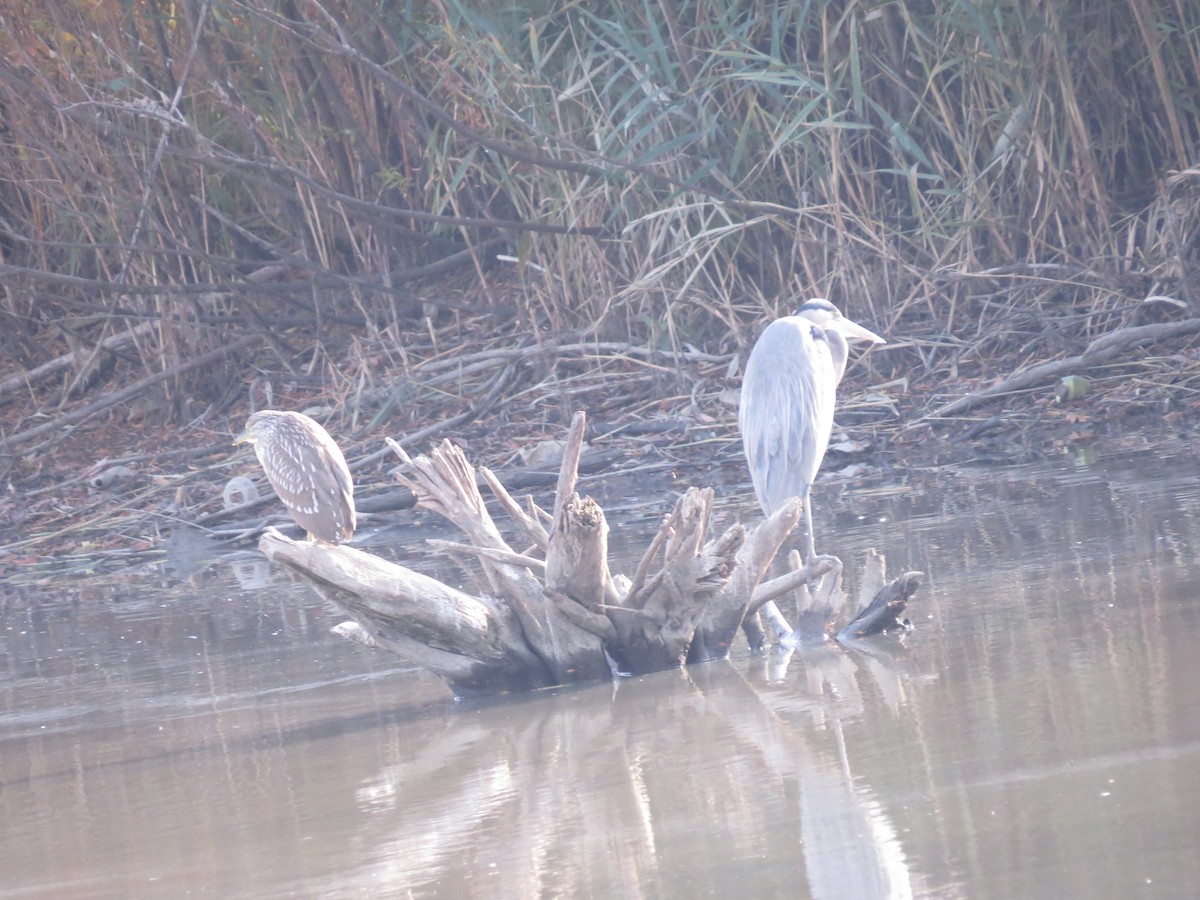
(555, 614)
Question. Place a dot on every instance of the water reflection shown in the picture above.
(670, 785)
(1035, 736)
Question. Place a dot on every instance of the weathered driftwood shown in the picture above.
(881, 605)
(566, 619)
(474, 643)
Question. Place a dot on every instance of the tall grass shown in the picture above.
(668, 172)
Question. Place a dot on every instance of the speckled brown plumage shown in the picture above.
(306, 469)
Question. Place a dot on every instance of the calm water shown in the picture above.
(1038, 735)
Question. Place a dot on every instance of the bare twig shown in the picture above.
(493, 553)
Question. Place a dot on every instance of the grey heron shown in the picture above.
(788, 395)
(307, 470)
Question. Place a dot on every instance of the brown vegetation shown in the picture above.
(520, 212)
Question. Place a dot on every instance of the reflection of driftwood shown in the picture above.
(564, 620)
(712, 755)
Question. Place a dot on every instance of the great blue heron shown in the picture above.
(307, 470)
(788, 394)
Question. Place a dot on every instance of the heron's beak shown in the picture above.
(244, 438)
(854, 330)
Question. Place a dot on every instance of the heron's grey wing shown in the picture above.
(786, 412)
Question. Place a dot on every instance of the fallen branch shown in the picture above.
(563, 620)
(883, 612)
(1102, 350)
(83, 413)
(110, 344)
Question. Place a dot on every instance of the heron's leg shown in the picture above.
(811, 546)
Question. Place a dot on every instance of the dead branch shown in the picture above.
(566, 619)
(883, 614)
(83, 413)
(731, 606)
(110, 344)
(1102, 350)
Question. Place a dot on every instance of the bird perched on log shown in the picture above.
(788, 395)
(307, 470)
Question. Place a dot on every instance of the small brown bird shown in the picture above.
(307, 470)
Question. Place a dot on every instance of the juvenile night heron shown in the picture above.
(788, 394)
(307, 470)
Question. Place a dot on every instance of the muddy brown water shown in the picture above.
(1037, 735)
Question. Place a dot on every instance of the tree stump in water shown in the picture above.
(555, 614)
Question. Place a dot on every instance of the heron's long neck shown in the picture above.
(839, 349)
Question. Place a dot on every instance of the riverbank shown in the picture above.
(659, 421)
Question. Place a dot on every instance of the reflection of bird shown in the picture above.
(788, 393)
(307, 470)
